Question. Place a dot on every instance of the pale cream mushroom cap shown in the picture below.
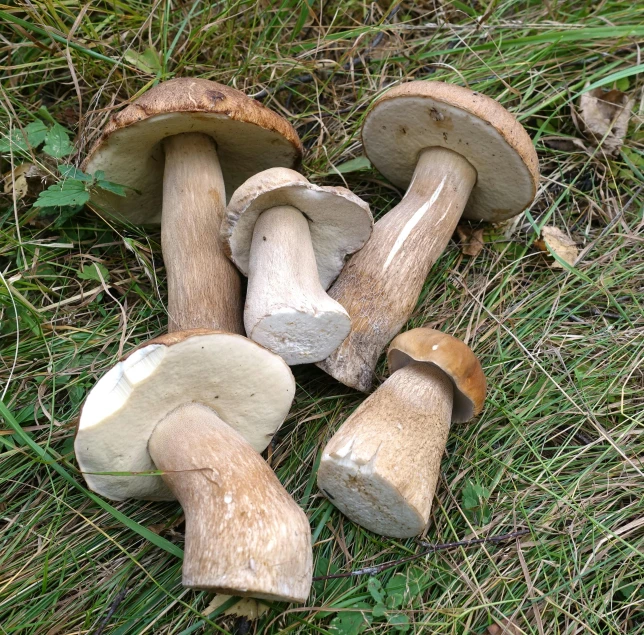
(340, 223)
(249, 138)
(420, 114)
(247, 386)
(453, 357)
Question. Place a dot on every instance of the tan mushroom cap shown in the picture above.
(453, 357)
(420, 114)
(249, 137)
(340, 223)
(247, 386)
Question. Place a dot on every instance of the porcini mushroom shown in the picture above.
(200, 405)
(291, 238)
(180, 147)
(381, 467)
(460, 154)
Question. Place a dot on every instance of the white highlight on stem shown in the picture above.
(412, 222)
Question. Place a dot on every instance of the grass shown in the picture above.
(558, 448)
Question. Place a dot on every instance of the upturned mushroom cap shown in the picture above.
(340, 223)
(420, 114)
(248, 387)
(453, 357)
(249, 137)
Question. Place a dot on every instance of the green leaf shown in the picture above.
(57, 143)
(474, 498)
(395, 600)
(399, 621)
(351, 622)
(353, 165)
(109, 186)
(72, 172)
(91, 272)
(148, 61)
(66, 193)
(374, 586)
(36, 133)
(623, 84)
(379, 610)
(15, 142)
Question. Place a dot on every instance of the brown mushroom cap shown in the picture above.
(249, 137)
(453, 357)
(420, 114)
(340, 223)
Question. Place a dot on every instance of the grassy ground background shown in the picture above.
(558, 449)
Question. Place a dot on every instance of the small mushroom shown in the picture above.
(199, 405)
(459, 153)
(180, 147)
(291, 238)
(381, 467)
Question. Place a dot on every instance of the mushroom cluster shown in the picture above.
(185, 416)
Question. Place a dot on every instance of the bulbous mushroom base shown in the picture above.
(245, 536)
(381, 467)
(287, 310)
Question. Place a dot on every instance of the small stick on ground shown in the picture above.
(429, 548)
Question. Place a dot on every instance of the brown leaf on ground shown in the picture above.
(504, 627)
(565, 144)
(27, 178)
(605, 115)
(249, 608)
(471, 240)
(559, 243)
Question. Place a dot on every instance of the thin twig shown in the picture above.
(120, 596)
(429, 548)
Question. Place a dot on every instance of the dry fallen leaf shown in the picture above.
(504, 627)
(471, 240)
(24, 176)
(605, 115)
(249, 608)
(565, 144)
(559, 243)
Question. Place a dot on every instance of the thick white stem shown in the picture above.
(245, 535)
(381, 467)
(204, 287)
(287, 310)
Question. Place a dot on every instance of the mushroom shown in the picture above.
(179, 147)
(291, 238)
(199, 405)
(459, 153)
(381, 467)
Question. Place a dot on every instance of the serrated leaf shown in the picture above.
(399, 621)
(36, 133)
(109, 186)
(69, 193)
(14, 142)
(91, 272)
(351, 622)
(149, 61)
(72, 172)
(374, 586)
(57, 143)
(474, 499)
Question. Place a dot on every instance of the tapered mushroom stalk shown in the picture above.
(291, 238)
(381, 467)
(458, 153)
(180, 148)
(200, 405)
(244, 534)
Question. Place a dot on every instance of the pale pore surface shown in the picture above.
(244, 534)
(380, 285)
(340, 223)
(381, 467)
(133, 156)
(397, 130)
(287, 310)
(247, 386)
